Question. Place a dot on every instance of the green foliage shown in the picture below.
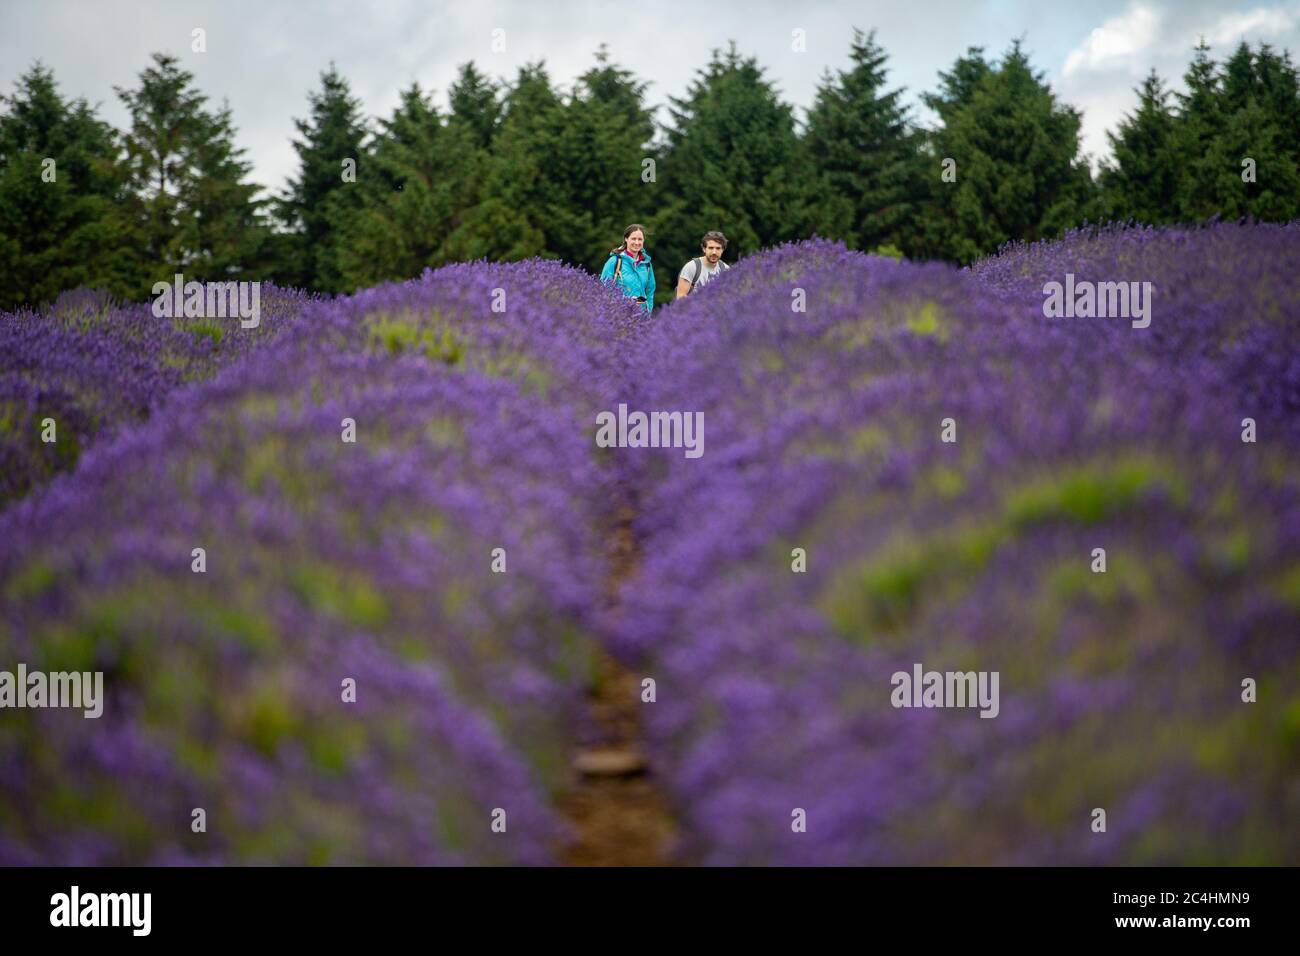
(318, 197)
(882, 595)
(733, 162)
(1019, 173)
(568, 169)
(475, 105)
(420, 176)
(1143, 179)
(864, 148)
(526, 169)
(187, 207)
(1183, 162)
(59, 234)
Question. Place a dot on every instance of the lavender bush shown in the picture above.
(326, 560)
(1119, 690)
(92, 364)
(828, 380)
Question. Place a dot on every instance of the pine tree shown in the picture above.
(320, 196)
(732, 162)
(956, 93)
(419, 178)
(1254, 131)
(1141, 183)
(862, 143)
(228, 227)
(58, 234)
(166, 116)
(957, 88)
(1189, 165)
(1019, 174)
(1274, 194)
(188, 203)
(475, 102)
(1200, 120)
(1278, 88)
(523, 211)
(603, 142)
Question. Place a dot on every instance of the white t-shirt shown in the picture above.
(706, 273)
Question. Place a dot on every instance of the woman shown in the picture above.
(629, 269)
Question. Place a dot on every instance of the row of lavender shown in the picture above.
(87, 365)
(349, 670)
(1124, 690)
(473, 393)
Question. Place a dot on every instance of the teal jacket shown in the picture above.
(633, 279)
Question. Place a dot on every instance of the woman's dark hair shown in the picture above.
(714, 236)
(627, 232)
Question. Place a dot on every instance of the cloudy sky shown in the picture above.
(264, 56)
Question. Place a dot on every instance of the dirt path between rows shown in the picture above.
(618, 813)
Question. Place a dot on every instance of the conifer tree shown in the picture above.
(732, 161)
(1259, 109)
(1200, 120)
(323, 191)
(520, 213)
(419, 178)
(188, 203)
(228, 226)
(1019, 174)
(475, 102)
(55, 228)
(862, 144)
(1141, 182)
(604, 139)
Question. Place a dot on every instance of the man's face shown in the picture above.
(712, 251)
(635, 242)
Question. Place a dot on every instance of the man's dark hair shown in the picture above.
(713, 236)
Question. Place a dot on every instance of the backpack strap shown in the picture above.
(618, 264)
(699, 267)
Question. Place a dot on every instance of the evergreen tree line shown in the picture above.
(510, 171)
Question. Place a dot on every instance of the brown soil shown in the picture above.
(615, 808)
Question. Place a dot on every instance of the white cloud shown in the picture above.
(1258, 23)
(265, 56)
(1145, 33)
(1117, 40)
(1100, 72)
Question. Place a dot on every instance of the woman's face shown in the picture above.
(635, 240)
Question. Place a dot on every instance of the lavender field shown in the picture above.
(903, 463)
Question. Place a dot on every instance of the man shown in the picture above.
(703, 268)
